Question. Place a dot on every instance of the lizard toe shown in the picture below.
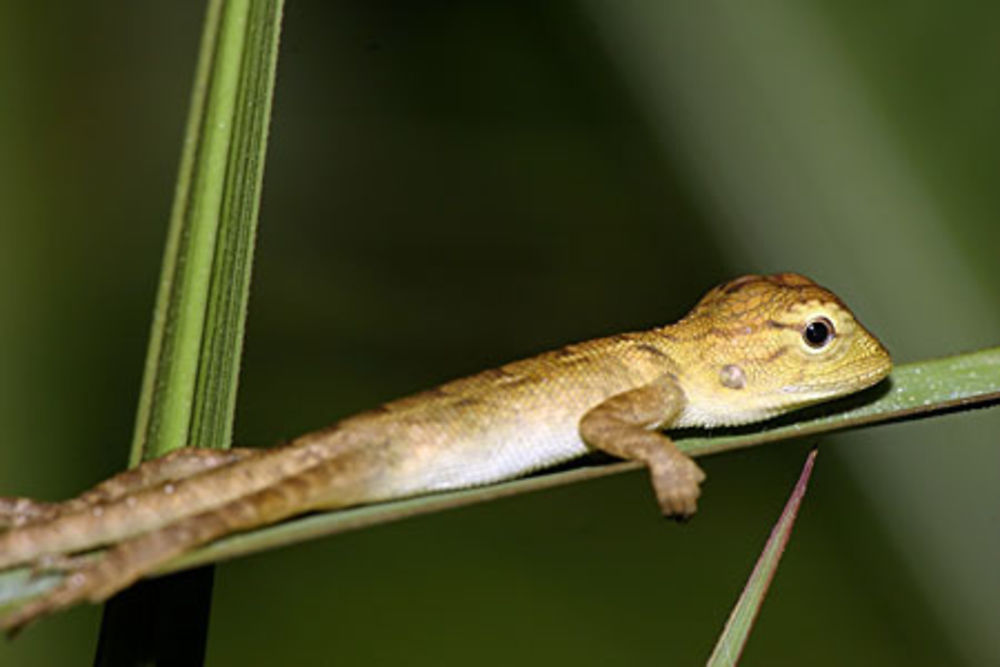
(676, 482)
(679, 500)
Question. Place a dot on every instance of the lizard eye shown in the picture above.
(818, 333)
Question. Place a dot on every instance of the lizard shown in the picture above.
(751, 349)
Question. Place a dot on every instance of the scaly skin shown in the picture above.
(753, 348)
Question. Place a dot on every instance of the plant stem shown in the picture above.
(188, 395)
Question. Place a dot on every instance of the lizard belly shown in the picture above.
(506, 454)
(439, 452)
(501, 424)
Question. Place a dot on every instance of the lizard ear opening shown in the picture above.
(732, 376)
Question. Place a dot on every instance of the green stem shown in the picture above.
(188, 395)
(189, 387)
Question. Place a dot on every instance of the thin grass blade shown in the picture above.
(734, 635)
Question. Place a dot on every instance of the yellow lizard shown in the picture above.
(751, 349)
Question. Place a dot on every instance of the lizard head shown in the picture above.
(770, 344)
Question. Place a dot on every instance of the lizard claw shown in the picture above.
(676, 481)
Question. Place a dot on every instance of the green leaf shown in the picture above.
(734, 635)
(916, 390)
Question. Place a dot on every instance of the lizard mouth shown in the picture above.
(859, 381)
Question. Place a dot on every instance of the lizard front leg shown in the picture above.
(178, 464)
(624, 426)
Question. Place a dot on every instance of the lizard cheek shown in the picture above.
(732, 376)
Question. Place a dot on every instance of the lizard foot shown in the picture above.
(86, 580)
(676, 481)
(58, 563)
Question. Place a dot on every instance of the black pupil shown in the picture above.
(817, 333)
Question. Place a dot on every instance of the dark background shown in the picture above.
(452, 185)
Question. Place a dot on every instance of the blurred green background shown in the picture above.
(452, 185)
